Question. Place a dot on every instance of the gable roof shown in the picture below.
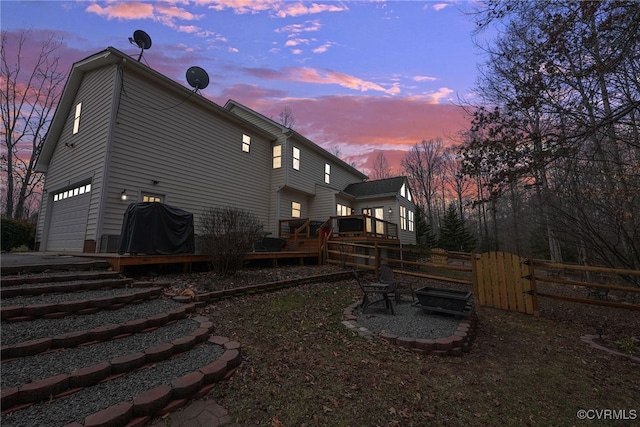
(112, 56)
(376, 188)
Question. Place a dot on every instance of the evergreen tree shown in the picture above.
(424, 233)
(453, 235)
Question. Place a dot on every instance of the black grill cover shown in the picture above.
(156, 229)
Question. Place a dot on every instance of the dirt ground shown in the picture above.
(302, 367)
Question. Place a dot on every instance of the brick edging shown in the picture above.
(454, 345)
(12, 281)
(78, 338)
(164, 399)
(22, 313)
(57, 385)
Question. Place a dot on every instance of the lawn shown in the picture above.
(302, 367)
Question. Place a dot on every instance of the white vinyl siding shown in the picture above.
(193, 165)
(82, 156)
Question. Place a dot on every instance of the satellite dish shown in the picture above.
(142, 40)
(197, 78)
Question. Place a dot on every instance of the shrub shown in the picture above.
(228, 234)
(16, 234)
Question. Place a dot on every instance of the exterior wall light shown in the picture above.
(123, 195)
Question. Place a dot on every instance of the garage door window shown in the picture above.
(77, 191)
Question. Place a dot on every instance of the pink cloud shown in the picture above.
(298, 9)
(240, 6)
(279, 8)
(127, 11)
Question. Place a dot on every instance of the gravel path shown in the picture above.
(14, 333)
(31, 368)
(67, 296)
(409, 321)
(76, 407)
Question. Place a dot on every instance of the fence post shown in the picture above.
(534, 289)
(377, 259)
(474, 277)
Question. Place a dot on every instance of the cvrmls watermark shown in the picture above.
(607, 414)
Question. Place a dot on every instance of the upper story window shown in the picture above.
(295, 209)
(406, 219)
(296, 158)
(76, 120)
(405, 192)
(277, 156)
(246, 143)
(327, 173)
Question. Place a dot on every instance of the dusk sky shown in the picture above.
(361, 76)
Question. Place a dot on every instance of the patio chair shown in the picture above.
(375, 293)
(401, 287)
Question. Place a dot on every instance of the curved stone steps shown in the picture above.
(90, 265)
(63, 287)
(59, 277)
(90, 375)
(164, 397)
(95, 335)
(21, 313)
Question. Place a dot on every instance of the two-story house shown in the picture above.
(124, 133)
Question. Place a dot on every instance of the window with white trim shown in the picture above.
(76, 120)
(277, 156)
(295, 209)
(246, 143)
(327, 173)
(342, 210)
(296, 158)
(73, 192)
(406, 219)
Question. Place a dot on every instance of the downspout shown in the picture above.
(113, 118)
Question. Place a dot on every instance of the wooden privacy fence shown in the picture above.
(504, 280)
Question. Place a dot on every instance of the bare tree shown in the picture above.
(381, 168)
(564, 78)
(422, 164)
(286, 118)
(28, 98)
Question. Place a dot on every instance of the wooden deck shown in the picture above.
(120, 262)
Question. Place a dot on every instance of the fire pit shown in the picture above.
(444, 301)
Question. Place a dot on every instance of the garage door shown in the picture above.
(69, 219)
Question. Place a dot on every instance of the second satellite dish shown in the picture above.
(197, 78)
(142, 40)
